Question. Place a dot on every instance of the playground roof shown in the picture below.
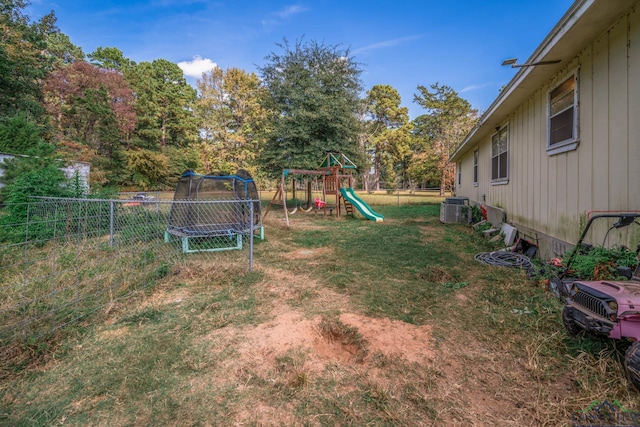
(333, 159)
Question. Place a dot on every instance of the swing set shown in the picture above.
(315, 190)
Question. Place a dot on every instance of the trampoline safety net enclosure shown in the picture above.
(213, 212)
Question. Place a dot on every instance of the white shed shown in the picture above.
(82, 168)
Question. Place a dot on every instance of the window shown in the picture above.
(459, 166)
(563, 117)
(500, 156)
(476, 155)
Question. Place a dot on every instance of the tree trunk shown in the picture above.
(376, 172)
(163, 139)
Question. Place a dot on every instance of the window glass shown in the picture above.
(562, 113)
(500, 155)
(476, 155)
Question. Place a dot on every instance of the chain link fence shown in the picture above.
(63, 259)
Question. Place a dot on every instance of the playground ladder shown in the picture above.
(348, 207)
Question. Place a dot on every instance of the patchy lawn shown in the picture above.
(342, 322)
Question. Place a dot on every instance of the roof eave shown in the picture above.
(584, 20)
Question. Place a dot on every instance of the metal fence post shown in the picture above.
(111, 209)
(25, 265)
(251, 236)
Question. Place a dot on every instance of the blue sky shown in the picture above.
(404, 44)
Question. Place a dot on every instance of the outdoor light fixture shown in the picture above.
(513, 64)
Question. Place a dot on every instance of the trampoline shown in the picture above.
(215, 207)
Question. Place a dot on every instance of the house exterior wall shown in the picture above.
(551, 195)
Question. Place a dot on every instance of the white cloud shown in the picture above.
(277, 18)
(197, 66)
(475, 87)
(385, 44)
(289, 11)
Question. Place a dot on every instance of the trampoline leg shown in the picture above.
(166, 236)
(187, 250)
(261, 233)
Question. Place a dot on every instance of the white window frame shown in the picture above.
(500, 179)
(476, 157)
(572, 142)
(459, 173)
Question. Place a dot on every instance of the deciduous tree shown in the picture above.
(232, 119)
(448, 120)
(388, 133)
(312, 96)
(93, 111)
(23, 60)
(81, 98)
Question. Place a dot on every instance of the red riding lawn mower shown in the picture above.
(605, 307)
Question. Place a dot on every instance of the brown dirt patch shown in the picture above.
(482, 381)
(393, 338)
(291, 331)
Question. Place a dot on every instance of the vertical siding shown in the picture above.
(634, 109)
(600, 112)
(551, 193)
(585, 123)
(546, 180)
(537, 134)
(572, 194)
(618, 123)
(509, 196)
(562, 192)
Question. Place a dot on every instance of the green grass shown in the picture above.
(382, 198)
(197, 347)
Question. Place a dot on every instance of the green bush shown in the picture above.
(598, 263)
(476, 214)
(33, 177)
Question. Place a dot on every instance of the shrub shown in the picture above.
(476, 214)
(599, 263)
(37, 177)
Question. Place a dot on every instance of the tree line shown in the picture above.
(140, 125)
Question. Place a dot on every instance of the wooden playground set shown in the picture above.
(326, 189)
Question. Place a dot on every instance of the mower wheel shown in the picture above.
(632, 364)
(569, 324)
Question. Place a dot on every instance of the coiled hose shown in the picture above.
(504, 259)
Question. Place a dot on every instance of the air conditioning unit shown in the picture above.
(457, 200)
(455, 213)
